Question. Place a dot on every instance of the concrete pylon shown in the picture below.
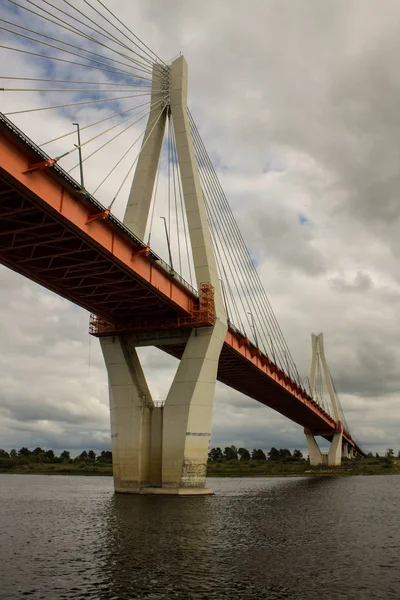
(165, 450)
(190, 401)
(334, 456)
(139, 200)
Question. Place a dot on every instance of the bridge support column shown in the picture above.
(134, 449)
(334, 456)
(166, 452)
(335, 451)
(345, 450)
(314, 453)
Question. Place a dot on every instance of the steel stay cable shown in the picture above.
(237, 271)
(76, 147)
(146, 110)
(57, 40)
(95, 123)
(103, 31)
(218, 257)
(207, 160)
(93, 60)
(71, 62)
(151, 61)
(224, 247)
(69, 27)
(20, 112)
(243, 278)
(119, 21)
(109, 141)
(133, 86)
(250, 301)
(226, 263)
(267, 307)
(92, 91)
(121, 159)
(206, 182)
(108, 34)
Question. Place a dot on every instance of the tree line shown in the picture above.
(39, 455)
(242, 454)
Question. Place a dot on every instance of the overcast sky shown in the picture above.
(298, 104)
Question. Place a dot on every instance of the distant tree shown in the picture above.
(297, 454)
(13, 453)
(83, 455)
(370, 455)
(284, 453)
(258, 455)
(24, 452)
(65, 455)
(91, 455)
(37, 451)
(244, 454)
(377, 455)
(230, 453)
(49, 454)
(215, 454)
(106, 456)
(4, 454)
(390, 453)
(273, 454)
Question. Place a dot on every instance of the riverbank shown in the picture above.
(368, 466)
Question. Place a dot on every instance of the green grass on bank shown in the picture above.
(256, 468)
(233, 468)
(55, 469)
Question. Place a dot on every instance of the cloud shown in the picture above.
(297, 104)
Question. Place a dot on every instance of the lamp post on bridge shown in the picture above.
(79, 152)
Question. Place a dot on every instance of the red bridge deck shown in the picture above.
(50, 232)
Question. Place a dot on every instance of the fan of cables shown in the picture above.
(87, 78)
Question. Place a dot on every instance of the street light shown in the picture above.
(168, 244)
(79, 152)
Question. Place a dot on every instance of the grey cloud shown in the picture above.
(362, 282)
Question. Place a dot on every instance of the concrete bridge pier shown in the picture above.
(333, 458)
(345, 450)
(165, 452)
(134, 419)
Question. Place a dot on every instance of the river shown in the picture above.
(287, 538)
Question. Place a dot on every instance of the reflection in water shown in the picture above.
(159, 546)
(303, 539)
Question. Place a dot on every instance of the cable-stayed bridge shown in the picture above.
(204, 304)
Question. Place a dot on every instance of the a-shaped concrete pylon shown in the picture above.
(334, 456)
(165, 449)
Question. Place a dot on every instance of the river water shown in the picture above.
(292, 538)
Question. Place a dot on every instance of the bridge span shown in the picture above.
(58, 235)
(53, 231)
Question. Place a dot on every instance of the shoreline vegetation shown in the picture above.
(229, 463)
